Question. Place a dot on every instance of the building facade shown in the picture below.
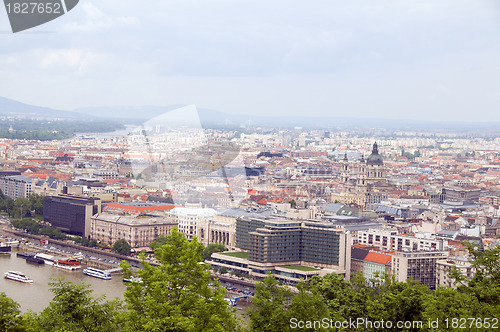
(419, 266)
(71, 214)
(16, 186)
(137, 230)
(444, 266)
(219, 229)
(289, 249)
(389, 240)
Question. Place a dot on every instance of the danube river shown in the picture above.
(36, 296)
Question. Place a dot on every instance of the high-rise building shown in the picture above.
(71, 214)
(418, 266)
(289, 249)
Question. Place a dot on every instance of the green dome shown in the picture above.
(374, 158)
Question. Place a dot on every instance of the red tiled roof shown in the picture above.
(378, 258)
(136, 209)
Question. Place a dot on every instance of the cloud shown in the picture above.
(251, 56)
(96, 20)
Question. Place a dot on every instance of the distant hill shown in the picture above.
(213, 118)
(10, 107)
(127, 112)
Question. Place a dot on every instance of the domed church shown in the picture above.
(364, 176)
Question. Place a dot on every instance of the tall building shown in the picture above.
(420, 266)
(289, 249)
(71, 214)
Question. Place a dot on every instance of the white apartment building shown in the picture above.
(190, 217)
(388, 239)
(16, 186)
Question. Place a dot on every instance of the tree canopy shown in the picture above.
(122, 247)
(176, 296)
(206, 254)
(73, 308)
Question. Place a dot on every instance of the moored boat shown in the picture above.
(68, 264)
(5, 248)
(17, 276)
(49, 260)
(34, 260)
(97, 273)
(63, 263)
(133, 279)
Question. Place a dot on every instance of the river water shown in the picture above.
(37, 295)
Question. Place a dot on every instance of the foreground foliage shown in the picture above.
(332, 299)
(175, 296)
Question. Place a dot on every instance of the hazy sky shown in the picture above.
(418, 59)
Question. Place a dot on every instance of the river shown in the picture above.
(36, 296)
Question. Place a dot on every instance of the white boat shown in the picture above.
(17, 276)
(49, 260)
(68, 264)
(133, 279)
(63, 263)
(97, 273)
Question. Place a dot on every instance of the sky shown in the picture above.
(419, 59)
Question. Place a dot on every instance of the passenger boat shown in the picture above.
(68, 264)
(63, 263)
(17, 276)
(5, 248)
(97, 273)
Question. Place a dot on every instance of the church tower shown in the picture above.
(344, 175)
(375, 169)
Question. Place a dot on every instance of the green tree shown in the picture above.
(160, 241)
(404, 301)
(293, 203)
(485, 283)
(308, 305)
(270, 306)
(212, 248)
(9, 205)
(10, 319)
(73, 308)
(22, 205)
(122, 247)
(446, 303)
(36, 203)
(175, 296)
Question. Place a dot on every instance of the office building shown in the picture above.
(71, 214)
(419, 266)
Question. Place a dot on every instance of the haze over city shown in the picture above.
(422, 60)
